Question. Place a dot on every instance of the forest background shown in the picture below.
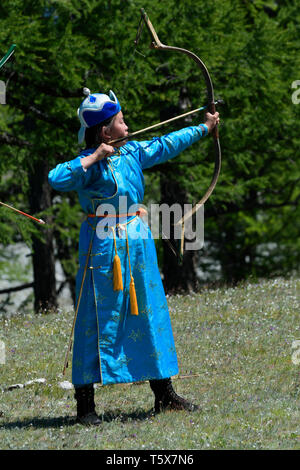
(251, 49)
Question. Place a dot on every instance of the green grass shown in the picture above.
(238, 343)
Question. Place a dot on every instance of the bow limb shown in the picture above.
(157, 44)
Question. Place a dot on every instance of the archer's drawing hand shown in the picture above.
(103, 151)
(212, 120)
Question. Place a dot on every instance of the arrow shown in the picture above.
(7, 55)
(40, 221)
(197, 110)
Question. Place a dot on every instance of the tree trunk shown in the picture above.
(43, 261)
(64, 252)
(237, 250)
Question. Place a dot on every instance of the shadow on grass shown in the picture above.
(57, 422)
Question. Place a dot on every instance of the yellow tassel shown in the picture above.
(117, 271)
(133, 300)
(118, 281)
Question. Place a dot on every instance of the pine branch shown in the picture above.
(11, 140)
(17, 288)
(66, 124)
(19, 79)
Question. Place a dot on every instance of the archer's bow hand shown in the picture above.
(212, 120)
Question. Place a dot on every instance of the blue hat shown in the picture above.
(95, 109)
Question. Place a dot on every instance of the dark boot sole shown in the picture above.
(91, 419)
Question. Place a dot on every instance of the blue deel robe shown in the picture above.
(110, 344)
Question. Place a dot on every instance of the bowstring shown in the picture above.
(135, 51)
(140, 28)
(139, 31)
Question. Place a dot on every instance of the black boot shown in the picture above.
(167, 399)
(86, 405)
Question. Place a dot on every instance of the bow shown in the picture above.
(157, 44)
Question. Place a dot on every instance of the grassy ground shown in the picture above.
(238, 343)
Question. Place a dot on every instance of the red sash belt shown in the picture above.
(140, 212)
